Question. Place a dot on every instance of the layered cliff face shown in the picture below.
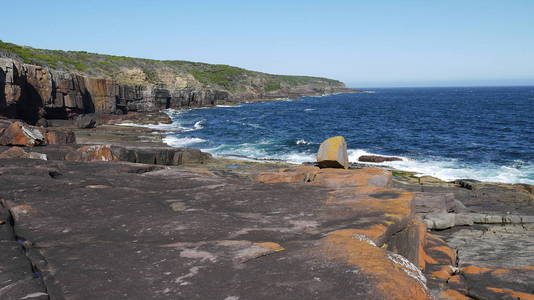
(31, 92)
(51, 84)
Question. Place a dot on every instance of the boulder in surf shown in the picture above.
(333, 153)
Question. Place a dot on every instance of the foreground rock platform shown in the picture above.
(115, 230)
(98, 226)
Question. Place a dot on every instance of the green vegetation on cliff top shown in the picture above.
(162, 72)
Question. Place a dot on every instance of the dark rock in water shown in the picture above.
(86, 121)
(377, 159)
(333, 153)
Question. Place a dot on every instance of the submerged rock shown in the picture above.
(333, 153)
(377, 158)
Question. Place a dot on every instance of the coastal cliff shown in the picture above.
(50, 84)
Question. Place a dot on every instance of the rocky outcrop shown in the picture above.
(18, 152)
(20, 134)
(31, 93)
(179, 232)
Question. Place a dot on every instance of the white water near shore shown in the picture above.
(442, 168)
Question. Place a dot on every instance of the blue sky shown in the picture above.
(363, 43)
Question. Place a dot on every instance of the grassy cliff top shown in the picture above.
(171, 73)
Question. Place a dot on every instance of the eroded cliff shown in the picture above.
(52, 84)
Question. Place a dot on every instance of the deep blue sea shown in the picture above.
(484, 133)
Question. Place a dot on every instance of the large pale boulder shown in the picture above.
(333, 153)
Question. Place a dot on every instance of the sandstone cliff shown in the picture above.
(51, 84)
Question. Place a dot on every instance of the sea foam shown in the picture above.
(181, 142)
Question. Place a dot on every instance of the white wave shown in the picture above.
(451, 169)
(297, 157)
(303, 142)
(237, 105)
(199, 124)
(160, 126)
(247, 124)
(181, 142)
(309, 109)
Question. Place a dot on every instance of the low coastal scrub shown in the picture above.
(217, 76)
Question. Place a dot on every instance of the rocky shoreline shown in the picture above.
(115, 213)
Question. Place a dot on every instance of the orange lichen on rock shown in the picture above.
(375, 232)
(288, 175)
(500, 271)
(92, 153)
(423, 258)
(437, 251)
(474, 270)
(336, 178)
(512, 293)
(392, 204)
(275, 247)
(447, 251)
(444, 273)
(374, 261)
(453, 295)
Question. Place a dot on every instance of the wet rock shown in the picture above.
(20, 134)
(377, 158)
(86, 121)
(333, 153)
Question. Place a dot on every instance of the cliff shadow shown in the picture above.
(87, 102)
(29, 108)
(3, 103)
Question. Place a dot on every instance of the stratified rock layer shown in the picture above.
(30, 93)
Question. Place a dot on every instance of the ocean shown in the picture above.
(482, 133)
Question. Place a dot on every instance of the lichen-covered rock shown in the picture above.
(17, 152)
(20, 134)
(60, 137)
(92, 153)
(333, 153)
